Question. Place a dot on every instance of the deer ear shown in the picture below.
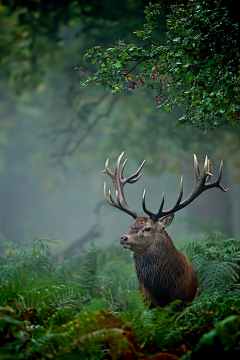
(167, 220)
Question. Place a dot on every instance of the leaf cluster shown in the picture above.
(197, 67)
(217, 261)
(34, 35)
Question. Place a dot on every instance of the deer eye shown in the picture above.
(147, 229)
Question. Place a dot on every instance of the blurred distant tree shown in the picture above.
(198, 67)
(40, 43)
(32, 36)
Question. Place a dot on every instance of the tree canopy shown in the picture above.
(33, 33)
(197, 67)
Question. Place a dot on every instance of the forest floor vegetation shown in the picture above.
(88, 306)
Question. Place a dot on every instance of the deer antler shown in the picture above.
(203, 183)
(119, 181)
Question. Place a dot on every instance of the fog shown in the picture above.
(56, 137)
(42, 197)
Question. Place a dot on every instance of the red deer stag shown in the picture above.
(163, 272)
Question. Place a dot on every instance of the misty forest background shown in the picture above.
(54, 140)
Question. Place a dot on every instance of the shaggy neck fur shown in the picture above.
(158, 269)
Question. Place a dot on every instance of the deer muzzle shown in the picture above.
(123, 240)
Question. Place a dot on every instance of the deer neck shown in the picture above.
(158, 260)
(162, 245)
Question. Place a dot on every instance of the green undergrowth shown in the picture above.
(88, 306)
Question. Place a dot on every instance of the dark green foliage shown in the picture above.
(89, 272)
(197, 67)
(203, 37)
(216, 260)
(225, 337)
(33, 33)
(88, 307)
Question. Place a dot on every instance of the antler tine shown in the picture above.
(123, 166)
(162, 203)
(217, 182)
(196, 168)
(206, 174)
(220, 172)
(210, 167)
(107, 170)
(144, 205)
(159, 213)
(117, 168)
(119, 201)
(119, 182)
(202, 183)
(209, 172)
(205, 168)
(113, 202)
(106, 195)
(222, 188)
(132, 178)
(152, 216)
(180, 193)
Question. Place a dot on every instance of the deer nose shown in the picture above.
(123, 239)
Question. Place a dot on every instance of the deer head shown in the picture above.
(145, 234)
(147, 230)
